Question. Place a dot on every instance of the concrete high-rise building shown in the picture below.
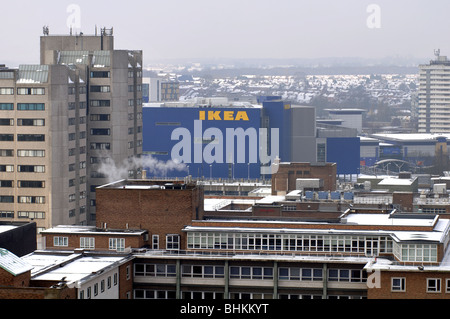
(434, 96)
(61, 120)
(113, 79)
(43, 145)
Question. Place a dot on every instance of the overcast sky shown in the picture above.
(236, 28)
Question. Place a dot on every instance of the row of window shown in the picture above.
(23, 199)
(22, 153)
(22, 91)
(22, 214)
(368, 245)
(23, 168)
(22, 138)
(117, 244)
(22, 106)
(186, 295)
(434, 285)
(94, 290)
(22, 184)
(22, 122)
(250, 272)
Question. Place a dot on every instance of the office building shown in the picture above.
(434, 98)
(160, 90)
(298, 252)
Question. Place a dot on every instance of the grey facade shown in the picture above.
(60, 121)
(43, 152)
(113, 82)
(434, 99)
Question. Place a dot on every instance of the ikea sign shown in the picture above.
(223, 116)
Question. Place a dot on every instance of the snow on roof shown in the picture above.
(13, 264)
(396, 181)
(90, 229)
(79, 269)
(5, 228)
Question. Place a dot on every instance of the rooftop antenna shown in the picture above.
(437, 53)
(45, 30)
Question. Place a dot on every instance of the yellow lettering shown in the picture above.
(228, 115)
(214, 115)
(241, 115)
(202, 116)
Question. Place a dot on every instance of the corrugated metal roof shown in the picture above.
(73, 57)
(33, 74)
(13, 264)
(101, 59)
(7, 74)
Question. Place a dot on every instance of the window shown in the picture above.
(87, 242)
(117, 244)
(6, 199)
(31, 153)
(31, 184)
(99, 117)
(33, 215)
(30, 91)
(30, 122)
(31, 199)
(6, 122)
(100, 131)
(31, 168)
(433, 285)
(6, 137)
(398, 284)
(95, 103)
(96, 289)
(100, 74)
(100, 88)
(60, 241)
(6, 214)
(6, 106)
(155, 270)
(6, 153)
(251, 272)
(31, 137)
(7, 168)
(173, 242)
(155, 242)
(100, 146)
(201, 271)
(6, 91)
(4, 183)
(30, 106)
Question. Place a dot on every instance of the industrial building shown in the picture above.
(216, 138)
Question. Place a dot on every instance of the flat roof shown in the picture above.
(437, 234)
(13, 264)
(91, 230)
(79, 269)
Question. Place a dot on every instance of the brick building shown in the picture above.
(285, 178)
(159, 207)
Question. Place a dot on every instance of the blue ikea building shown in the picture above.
(212, 142)
(214, 138)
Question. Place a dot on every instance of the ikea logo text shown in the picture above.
(223, 115)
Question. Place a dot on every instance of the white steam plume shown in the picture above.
(153, 166)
